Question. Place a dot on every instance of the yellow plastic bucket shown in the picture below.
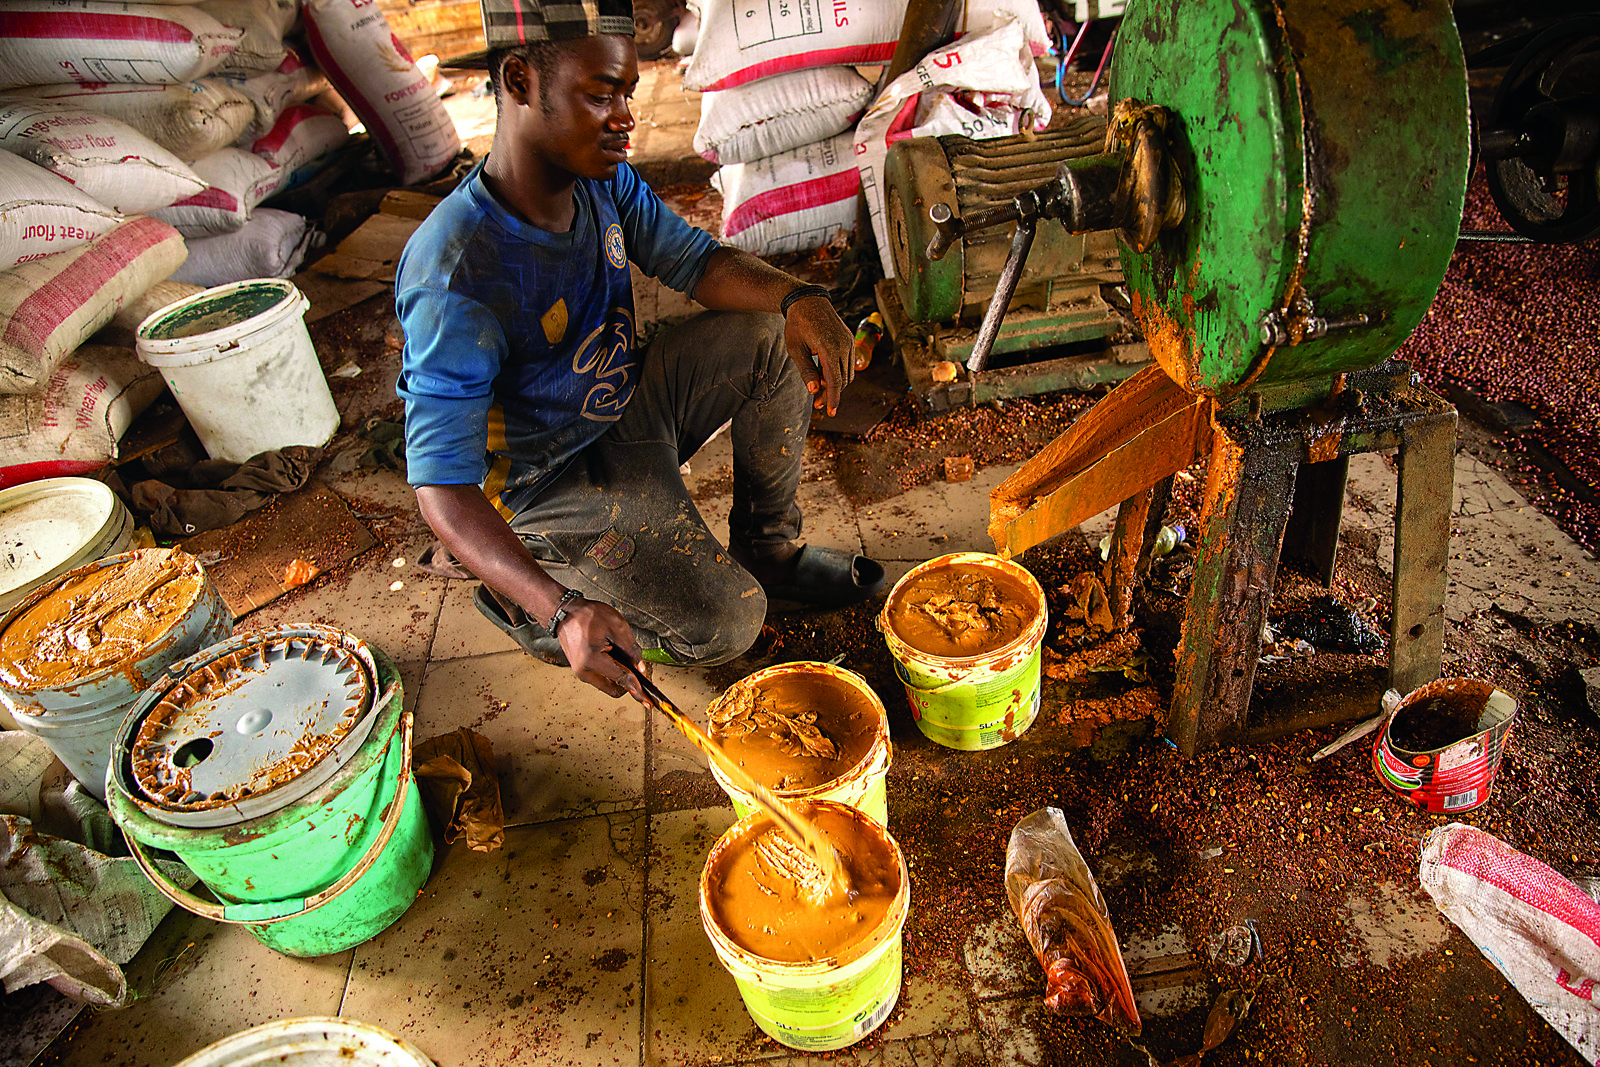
(978, 702)
(863, 786)
(823, 1005)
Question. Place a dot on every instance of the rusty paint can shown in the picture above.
(75, 706)
(1470, 718)
(277, 766)
(972, 703)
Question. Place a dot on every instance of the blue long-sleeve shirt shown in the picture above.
(519, 347)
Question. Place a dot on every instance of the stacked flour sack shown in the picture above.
(783, 99)
(136, 141)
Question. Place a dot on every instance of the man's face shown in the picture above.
(580, 121)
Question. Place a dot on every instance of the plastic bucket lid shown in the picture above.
(988, 699)
(861, 785)
(317, 1041)
(49, 527)
(218, 322)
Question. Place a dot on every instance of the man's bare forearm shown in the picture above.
(476, 534)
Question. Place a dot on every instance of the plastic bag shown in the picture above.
(1539, 929)
(1064, 917)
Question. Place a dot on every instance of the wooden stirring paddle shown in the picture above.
(790, 821)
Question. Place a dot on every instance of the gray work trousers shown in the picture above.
(618, 524)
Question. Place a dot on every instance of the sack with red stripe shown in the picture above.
(50, 307)
(109, 160)
(794, 201)
(236, 181)
(189, 120)
(981, 86)
(1539, 929)
(42, 213)
(264, 24)
(743, 40)
(301, 141)
(294, 82)
(43, 42)
(371, 69)
(776, 114)
(73, 425)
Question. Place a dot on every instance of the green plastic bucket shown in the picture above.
(978, 702)
(863, 786)
(823, 1005)
(333, 848)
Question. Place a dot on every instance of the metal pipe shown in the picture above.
(1010, 274)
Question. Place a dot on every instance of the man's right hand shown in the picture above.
(587, 634)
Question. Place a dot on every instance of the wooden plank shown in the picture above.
(312, 524)
(373, 251)
(1145, 429)
(445, 28)
(408, 204)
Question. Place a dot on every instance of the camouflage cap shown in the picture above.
(509, 23)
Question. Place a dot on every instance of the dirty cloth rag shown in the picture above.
(218, 493)
(70, 913)
(456, 774)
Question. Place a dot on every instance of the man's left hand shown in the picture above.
(821, 346)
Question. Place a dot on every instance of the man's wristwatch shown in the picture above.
(570, 596)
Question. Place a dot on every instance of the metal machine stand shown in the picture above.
(1261, 461)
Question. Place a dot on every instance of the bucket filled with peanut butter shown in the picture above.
(806, 731)
(965, 631)
(818, 964)
(76, 652)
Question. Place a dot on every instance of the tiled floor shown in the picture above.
(579, 942)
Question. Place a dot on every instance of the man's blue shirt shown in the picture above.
(519, 344)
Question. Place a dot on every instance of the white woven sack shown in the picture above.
(294, 82)
(110, 160)
(303, 135)
(51, 307)
(374, 73)
(264, 22)
(995, 67)
(271, 245)
(74, 423)
(779, 113)
(42, 213)
(44, 42)
(236, 181)
(791, 202)
(189, 120)
(1540, 930)
(741, 41)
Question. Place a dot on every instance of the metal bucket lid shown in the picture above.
(50, 526)
(260, 722)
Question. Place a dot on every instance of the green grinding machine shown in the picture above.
(1285, 180)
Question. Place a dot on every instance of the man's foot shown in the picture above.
(534, 639)
(816, 577)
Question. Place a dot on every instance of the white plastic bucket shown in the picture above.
(50, 526)
(78, 717)
(240, 363)
(317, 1041)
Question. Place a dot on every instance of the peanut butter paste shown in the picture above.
(795, 730)
(98, 620)
(962, 610)
(764, 894)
